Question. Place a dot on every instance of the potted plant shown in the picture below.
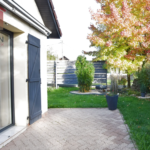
(143, 90)
(112, 97)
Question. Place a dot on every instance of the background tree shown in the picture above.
(51, 56)
(125, 41)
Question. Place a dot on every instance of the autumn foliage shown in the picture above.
(125, 40)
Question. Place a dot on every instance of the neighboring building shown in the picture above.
(23, 60)
(64, 58)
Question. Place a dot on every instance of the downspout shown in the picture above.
(27, 19)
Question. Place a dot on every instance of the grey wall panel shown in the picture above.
(67, 81)
(100, 71)
(66, 67)
(100, 80)
(66, 71)
(51, 76)
(100, 75)
(67, 76)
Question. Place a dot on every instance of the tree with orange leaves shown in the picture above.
(125, 41)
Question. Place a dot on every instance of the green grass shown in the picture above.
(136, 112)
(61, 98)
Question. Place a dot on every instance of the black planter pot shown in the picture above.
(143, 94)
(112, 102)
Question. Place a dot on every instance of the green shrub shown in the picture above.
(129, 92)
(123, 81)
(85, 73)
(144, 76)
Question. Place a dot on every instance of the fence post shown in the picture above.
(56, 74)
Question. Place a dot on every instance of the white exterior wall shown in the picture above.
(21, 68)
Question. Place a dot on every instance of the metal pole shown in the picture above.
(62, 50)
(56, 74)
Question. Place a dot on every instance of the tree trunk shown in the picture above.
(128, 78)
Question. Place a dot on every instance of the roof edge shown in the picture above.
(55, 17)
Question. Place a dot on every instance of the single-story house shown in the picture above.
(26, 25)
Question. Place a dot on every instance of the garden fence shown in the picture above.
(63, 73)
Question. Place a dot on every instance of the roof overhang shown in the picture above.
(20, 12)
(49, 17)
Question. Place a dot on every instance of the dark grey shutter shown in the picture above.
(34, 80)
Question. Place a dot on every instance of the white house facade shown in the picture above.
(25, 28)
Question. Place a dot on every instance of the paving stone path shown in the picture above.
(75, 129)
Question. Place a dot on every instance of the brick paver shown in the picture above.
(75, 129)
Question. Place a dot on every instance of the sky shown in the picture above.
(74, 18)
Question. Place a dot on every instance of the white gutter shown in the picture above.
(29, 19)
(28, 15)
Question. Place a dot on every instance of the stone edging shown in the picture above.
(140, 97)
(92, 92)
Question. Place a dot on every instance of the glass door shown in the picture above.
(5, 81)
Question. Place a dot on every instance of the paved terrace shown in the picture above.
(75, 129)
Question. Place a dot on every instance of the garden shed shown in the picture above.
(25, 28)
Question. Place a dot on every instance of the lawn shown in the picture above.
(136, 112)
(61, 98)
